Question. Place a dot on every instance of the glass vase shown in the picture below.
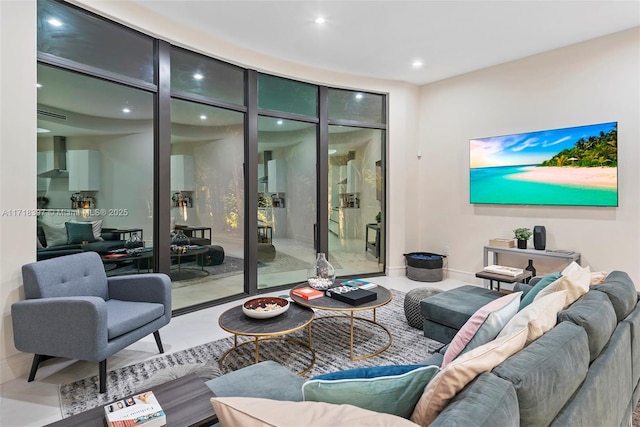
(133, 242)
(321, 275)
(179, 242)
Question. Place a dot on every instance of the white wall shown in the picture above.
(593, 82)
(17, 167)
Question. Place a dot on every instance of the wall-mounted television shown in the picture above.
(575, 166)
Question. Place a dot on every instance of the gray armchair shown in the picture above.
(73, 310)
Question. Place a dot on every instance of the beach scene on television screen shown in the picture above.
(575, 166)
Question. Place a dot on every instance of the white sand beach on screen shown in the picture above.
(601, 177)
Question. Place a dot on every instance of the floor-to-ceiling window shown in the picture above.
(159, 143)
(287, 194)
(355, 205)
(207, 177)
(95, 138)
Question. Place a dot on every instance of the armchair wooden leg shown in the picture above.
(156, 335)
(37, 359)
(102, 368)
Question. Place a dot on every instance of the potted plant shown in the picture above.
(378, 217)
(522, 235)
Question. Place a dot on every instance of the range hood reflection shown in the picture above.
(59, 159)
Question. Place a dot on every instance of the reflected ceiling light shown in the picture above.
(279, 122)
(359, 96)
(416, 64)
(198, 76)
(319, 20)
(55, 22)
(126, 110)
(38, 85)
(203, 117)
(332, 151)
(42, 130)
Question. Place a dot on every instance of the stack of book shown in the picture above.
(503, 270)
(352, 295)
(307, 293)
(502, 243)
(140, 410)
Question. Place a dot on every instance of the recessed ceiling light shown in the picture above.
(319, 20)
(416, 64)
(359, 96)
(279, 122)
(42, 130)
(332, 151)
(203, 117)
(55, 22)
(198, 76)
(126, 110)
(38, 85)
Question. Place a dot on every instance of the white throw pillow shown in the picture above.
(539, 316)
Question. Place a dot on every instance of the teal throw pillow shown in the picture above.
(388, 389)
(542, 283)
(79, 232)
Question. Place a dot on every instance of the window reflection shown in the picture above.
(95, 182)
(355, 185)
(207, 203)
(286, 200)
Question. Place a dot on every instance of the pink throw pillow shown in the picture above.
(483, 326)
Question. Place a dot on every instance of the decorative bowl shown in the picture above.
(265, 307)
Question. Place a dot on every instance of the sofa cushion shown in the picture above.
(388, 389)
(545, 281)
(607, 389)
(595, 314)
(125, 316)
(483, 326)
(254, 412)
(78, 232)
(547, 372)
(96, 227)
(539, 316)
(621, 291)
(258, 381)
(487, 401)
(56, 234)
(444, 386)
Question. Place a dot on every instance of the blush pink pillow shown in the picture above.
(483, 326)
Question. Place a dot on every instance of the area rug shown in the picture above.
(330, 341)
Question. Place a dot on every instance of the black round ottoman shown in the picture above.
(412, 305)
(215, 256)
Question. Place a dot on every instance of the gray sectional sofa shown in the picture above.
(583, 372)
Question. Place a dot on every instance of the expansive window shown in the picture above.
(187, 165)
(95, 181)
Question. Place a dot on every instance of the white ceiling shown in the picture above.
(382, 38)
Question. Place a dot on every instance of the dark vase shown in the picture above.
(531, 268)
(522, 244)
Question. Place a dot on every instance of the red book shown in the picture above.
(307, 293)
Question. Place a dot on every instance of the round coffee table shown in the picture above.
(294, 319)
(330, 304)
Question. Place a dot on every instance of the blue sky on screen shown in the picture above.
(529, 148)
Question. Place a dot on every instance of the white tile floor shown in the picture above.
(34, 404)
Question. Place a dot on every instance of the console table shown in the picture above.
(568, 256)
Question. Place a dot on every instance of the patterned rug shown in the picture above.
(330, 341)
